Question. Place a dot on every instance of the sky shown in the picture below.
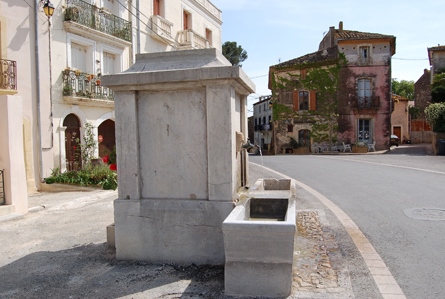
(276, 31)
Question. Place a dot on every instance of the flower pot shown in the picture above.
(359, 149)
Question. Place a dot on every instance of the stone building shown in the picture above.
(363, 95)
(59, 61)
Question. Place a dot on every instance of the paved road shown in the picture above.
(385, 195)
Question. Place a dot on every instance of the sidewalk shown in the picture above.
(59, 250)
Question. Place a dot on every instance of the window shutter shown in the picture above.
(295, 99)
(313, 100)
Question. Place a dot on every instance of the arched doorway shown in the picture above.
(72, 140)
(304, 137)
(107, 137)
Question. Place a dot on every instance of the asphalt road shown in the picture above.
(396, 199)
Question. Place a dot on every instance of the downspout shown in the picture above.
(138, 26)
(39, 122)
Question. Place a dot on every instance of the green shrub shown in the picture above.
(97, 176)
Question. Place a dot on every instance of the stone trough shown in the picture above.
(259, 241)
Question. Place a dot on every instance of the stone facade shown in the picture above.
(364, 102)
(181, 122)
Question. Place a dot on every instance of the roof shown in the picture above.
(328, 54)
(397, 98)
(438, 48)
(432, 49)
(350, 34)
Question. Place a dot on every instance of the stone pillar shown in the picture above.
(177, 119)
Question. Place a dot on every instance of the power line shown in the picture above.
(410, 58)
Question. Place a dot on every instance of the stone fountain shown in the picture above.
(181, 122)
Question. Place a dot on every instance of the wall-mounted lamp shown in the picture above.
(48, 8)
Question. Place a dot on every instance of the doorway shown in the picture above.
(397, 131)
(72, 140)
(107, 137)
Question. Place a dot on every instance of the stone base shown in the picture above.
(170, 231)
(111, 241)
(272, 280)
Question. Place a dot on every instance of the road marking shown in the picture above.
(383, 164)
(383, 278)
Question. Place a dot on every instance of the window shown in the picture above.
(303, 100)
(209, 36)
(157, 7)
(364, 55)
(364, 52)
(364, 131)
(259, 107)
(290, 128)
(364, 92)
(79, 57)
(187, 19)
(108, 63)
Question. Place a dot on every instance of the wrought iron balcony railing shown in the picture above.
(99, 19)
(189, 39)
(8, 78)
(83, 85)
(372, 102)
(263, 127)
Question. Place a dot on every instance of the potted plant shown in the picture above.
(112, 159)
(298, 148)
(360, 147)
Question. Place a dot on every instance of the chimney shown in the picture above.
(340, 26)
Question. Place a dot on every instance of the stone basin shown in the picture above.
(259, 241)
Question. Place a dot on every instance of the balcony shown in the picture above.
(264, 127)
(362, 103)
(85, 89)
(362, 61)
(90, 16)
(189, 39)
(161, 29)
(8, 77)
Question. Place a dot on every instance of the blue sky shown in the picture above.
(280, 30)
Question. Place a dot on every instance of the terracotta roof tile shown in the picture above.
(350, 34)
(438, 48)
(319, 56)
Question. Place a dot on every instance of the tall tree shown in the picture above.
(234, 53)
(403, 88)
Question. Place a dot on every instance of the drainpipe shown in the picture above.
(39, 123)
(138, 26)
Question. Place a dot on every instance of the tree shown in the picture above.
(403, 88)
(435, 115)
(438, 88)
(234, 53)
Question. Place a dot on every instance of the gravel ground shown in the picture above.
(59, 250)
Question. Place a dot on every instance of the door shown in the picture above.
(397, 131)
(72, 140)
(107, 131)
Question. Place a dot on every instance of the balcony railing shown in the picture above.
(264, 127)
(189, 39)
(161, 28)
(83, 85)
(91, 16)
(372, 102)
(210, 7)
(8, 78)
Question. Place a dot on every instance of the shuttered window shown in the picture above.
(79, 57)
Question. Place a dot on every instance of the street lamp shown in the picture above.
(48, 8)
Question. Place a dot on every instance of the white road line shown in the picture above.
(383, 164)
(383, 278)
